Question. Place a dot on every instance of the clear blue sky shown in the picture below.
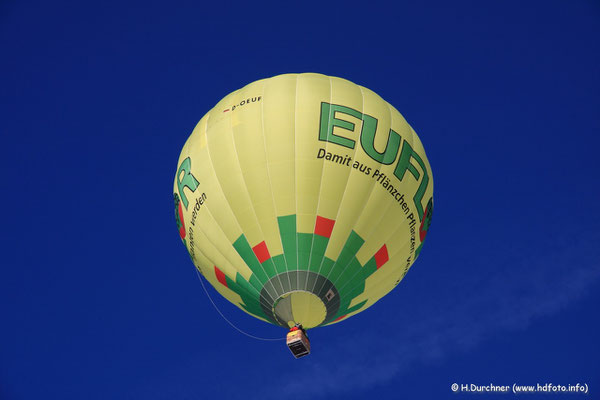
(98, 298)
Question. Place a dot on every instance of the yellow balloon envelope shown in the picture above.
(303, 198)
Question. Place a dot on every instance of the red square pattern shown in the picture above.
(220, 276)
(381, 257)
(261, 252)
(324, 226)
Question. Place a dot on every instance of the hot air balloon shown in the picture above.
(303, 199)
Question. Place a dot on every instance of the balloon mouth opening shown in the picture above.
(300, 307)
(300, 296)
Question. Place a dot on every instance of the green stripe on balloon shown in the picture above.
(346, 273)
(243, 248)
(287, 232)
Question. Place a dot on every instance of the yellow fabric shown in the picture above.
(261, 154)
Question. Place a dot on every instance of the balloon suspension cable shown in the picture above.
(228, 321)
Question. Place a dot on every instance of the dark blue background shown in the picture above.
(98, 298)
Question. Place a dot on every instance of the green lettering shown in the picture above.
(329, 121)
(187, 181)
(404, 165)
(367, 140)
